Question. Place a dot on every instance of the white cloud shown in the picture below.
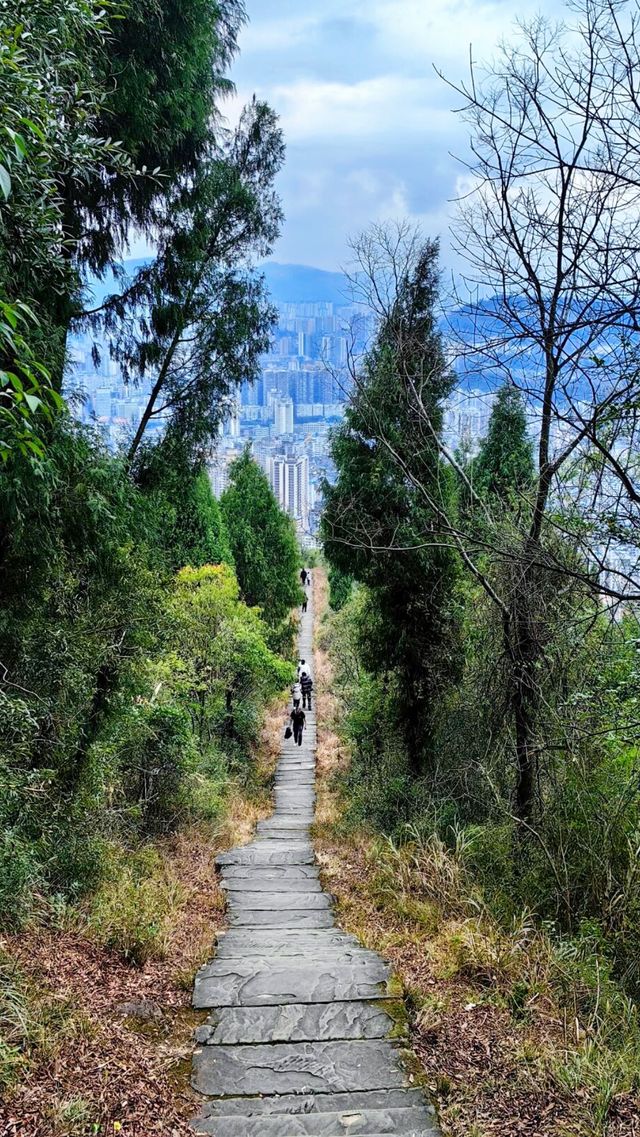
(279, 34)
(374, 108)
(440, 32)
(366, 118)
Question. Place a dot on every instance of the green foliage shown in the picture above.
(128, 695)
(133, 910)
(163, 78)
(197, 321)
(340, 588)
(263, 542)
(578, 863)
(201, 536)
(503, 469)
(382, 529)
(227, 668)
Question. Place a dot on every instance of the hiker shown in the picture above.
(298, 721)
(305, 602)
(303, 576)
(302, 666)
(296, 695)
(306, 682)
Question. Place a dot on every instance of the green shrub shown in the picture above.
(19, 878)
(133, 911)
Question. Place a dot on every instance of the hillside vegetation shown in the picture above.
(140, 643)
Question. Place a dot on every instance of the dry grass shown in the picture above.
(89, 1067)
(498, 1051)
(333, 756)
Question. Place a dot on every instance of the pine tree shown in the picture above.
(263, 541)
(503, 469)
(383, 530)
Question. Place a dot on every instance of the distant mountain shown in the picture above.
(288, 284)
(301, 284)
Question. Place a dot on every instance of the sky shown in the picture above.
(370, 127)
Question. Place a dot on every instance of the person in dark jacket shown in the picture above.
(306, 682)
(298, 722)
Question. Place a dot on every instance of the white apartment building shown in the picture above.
(283, 416)
(289, 479)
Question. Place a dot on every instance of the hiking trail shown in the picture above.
(298, 1039)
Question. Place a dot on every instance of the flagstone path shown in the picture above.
(298, 1036)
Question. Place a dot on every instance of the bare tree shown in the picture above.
(550, 231)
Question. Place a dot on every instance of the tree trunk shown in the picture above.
(523, 652)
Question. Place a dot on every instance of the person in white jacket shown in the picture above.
(296, 695)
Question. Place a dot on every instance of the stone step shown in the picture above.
(255, 884)
(296, 921)
(271, 901)
(316, 1103)
(284, 941)
(322, 957)
(294, 1022)
(280, 834)
(270, 872)
(294, 779)
(299, 1067)
(234, 982)
(286, 823)
(269, 853)
(372, 1123)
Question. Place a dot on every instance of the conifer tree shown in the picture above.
(503, 468)
(263, 541)
(378, 525)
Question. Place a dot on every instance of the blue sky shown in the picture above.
(369, 125)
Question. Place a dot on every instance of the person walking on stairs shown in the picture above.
(296, 695)
(303, 577)
(298, 721)
(306, 682)
(305, 602)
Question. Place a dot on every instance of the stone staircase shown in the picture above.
(298, 1036)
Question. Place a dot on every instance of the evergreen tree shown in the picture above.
(383, 530)
(200, 535)
(503, 469)
(263, 542)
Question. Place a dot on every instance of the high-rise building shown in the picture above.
(232, 423)
(283, 416)
(102, 402)
(289, 478)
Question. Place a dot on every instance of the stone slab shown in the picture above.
(270, 901)
(281, 834)
(325, 957)
(360, 1123)
(269, 853)
(295, 778)
(292, 797)
(294, 1022)
(250, 918)
(283, 941)
(278, 885)
(270, 872)
(300, 1067)
(243, 983)
(316, 1103)
(283, 821)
